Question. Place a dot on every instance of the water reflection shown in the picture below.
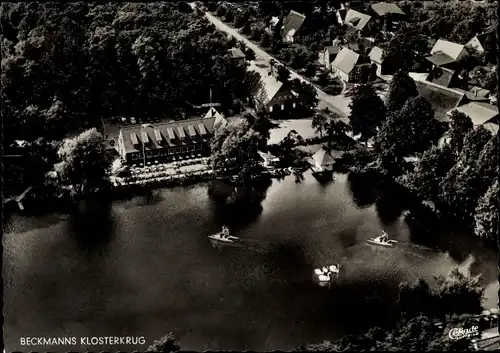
(92, 225)
(237, 206)
(161, 274)
(363, 188)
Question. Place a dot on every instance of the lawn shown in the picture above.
(302, 126)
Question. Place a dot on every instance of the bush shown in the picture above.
(229, 16)
(212, 6)
(221, 11)
(256, 33)
(239, 21)
(249, 54)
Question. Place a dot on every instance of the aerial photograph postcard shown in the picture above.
(298, 176)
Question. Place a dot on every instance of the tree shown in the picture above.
(320, 123)
(249, 54)
(401, 52)
(221, 11)
(256, 33)
(367, 112)
(462, 187)
(323, 78)
(283, 73)
(265, 40)
(411, 130)
(486, 214)
(460, 126)
(401, 88)
(487, 164)
(229, 16)
(418, 334)
(474, 142)
(310, 70)
(247, 28)
(235, 147)
(336, 127)
(433, 166)
(84, 165)
(307, 94)
(239, 20)
(166, 344)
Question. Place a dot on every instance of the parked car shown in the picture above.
(133, 121)
(124, 121)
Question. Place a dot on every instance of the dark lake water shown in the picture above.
(144, 267)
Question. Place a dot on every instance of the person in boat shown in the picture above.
(384, 238)
(225, 232)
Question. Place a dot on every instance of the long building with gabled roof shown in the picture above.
(169, 141)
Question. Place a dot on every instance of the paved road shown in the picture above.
(337, 104)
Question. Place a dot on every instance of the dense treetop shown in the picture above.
(67, 65)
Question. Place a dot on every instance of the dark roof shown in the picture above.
(441, 98)
(342, 13)
(480, 40)
(441, 76)
(293, 22)
(440, 59)
(332, 49)
(236, 53)
(353, 46)
(170, 131)
(384, 8)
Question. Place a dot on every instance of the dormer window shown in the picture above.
(145, 137)
(158, 136)
(180, 130)
(171, 134)
(192, 132)
(134, 139)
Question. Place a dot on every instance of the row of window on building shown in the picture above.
(271, 108)
(164, 152)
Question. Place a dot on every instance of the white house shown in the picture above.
(445, 52)
(322, 161)
(344, 64)
(375, 56)
(291, 25)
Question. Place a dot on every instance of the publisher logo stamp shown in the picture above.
(458, 333)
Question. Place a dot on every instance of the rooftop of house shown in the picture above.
(451, 49)
(356, 19)
(346, 60)
(236, 53)
(322, 157)
(169, 134)
(274, 21)
(293, 22)
(384, 8)
(480, 40)
(441, 98)
(439, 58)
(441, 76)
(479, 112)
(342, 13)
(332, 49)
(376, 54)
(476, 93)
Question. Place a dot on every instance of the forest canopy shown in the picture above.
(66, 66)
